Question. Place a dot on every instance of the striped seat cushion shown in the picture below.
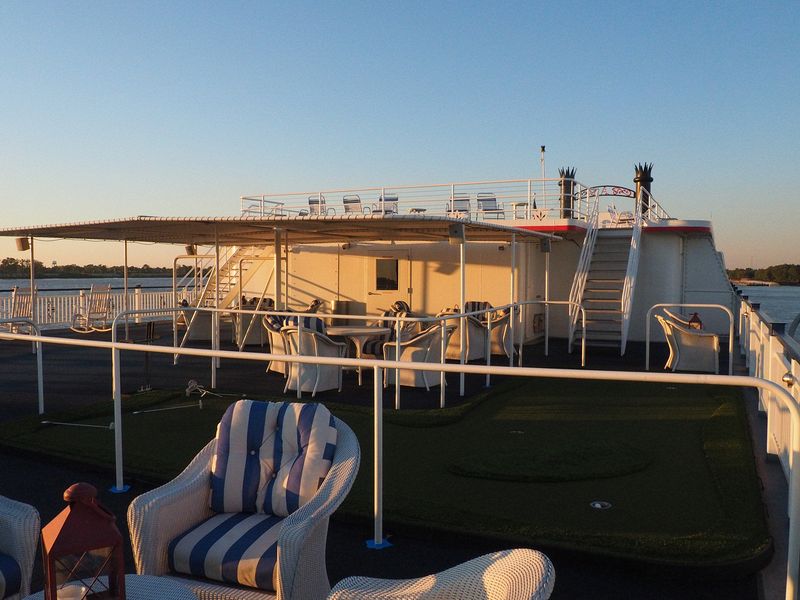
(10, 576)
(313, 323)
(270, 457)
(475, 305)
(237, 548)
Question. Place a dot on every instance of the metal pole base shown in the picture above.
(115, 490)
(373, 545)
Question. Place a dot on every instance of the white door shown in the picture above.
(387, 279)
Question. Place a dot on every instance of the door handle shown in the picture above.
(373, 294)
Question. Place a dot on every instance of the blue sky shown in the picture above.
(177, 108)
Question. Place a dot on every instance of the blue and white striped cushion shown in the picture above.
(271, 457)
(475, 305)
(10, 576)
(313, 323)
(235, 548)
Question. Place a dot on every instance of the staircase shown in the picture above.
(229, 276)
(602, 293)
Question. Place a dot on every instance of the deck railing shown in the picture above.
(776, 392)
(535, 199)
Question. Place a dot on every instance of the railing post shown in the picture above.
(489, 345)
(398, 329)
(442, 361)
(39, 375)
(119, 486)
(377, 542)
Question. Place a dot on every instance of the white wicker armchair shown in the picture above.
(520, 574)
(690, 349)
(157, 517)
(19, 536)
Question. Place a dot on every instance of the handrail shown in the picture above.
(629, 285)
(582, 270)
(684, 305)
(793, 562)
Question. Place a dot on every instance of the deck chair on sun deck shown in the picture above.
(352, 205)
(317, 207)
(690, 349)
(248, 518)
(386, 205)
(620, 219)
(96, 315)
(488, 207)
(459, 206)
(21, 308)
(19, 536)
(683, 320)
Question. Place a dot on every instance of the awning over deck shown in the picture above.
(230, 231)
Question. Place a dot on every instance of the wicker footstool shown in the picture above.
(519, 574)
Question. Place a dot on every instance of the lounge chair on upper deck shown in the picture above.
(352, 205)
(489, 207)
(386, 205)
(21, 307)
(620, 219)
(317, 207)
(459, 206)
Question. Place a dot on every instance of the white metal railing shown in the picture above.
(725, 309)
(629, 286)
(655, 212)
(476, 200)
(582, 270)
(776, 391)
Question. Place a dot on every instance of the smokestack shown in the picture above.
(643, 178)
(567, 185)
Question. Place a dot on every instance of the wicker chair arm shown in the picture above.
(301, 546)
(158, 516)
(19, 537)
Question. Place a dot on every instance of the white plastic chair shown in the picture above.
(690, 349)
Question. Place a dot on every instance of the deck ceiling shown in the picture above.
(240, 231)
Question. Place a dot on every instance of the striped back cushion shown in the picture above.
(270, 457)
(273, 322)
(312, 323)
(10, 576)
(476, 305)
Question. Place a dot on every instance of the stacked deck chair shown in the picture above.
(248, 518)
(19, 535)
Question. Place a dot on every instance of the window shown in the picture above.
(386, 274)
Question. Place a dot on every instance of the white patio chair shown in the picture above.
(683, 320)
(317, 207)
(312, 377)
(459, 206)
(620, 219)
(96, 315)
(387, 204)
(475, 340)
(519, 574)
(426, 347)
(21, 307)
(690, 349)
(19, 536)
(266, 511)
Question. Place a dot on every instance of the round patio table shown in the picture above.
(146, 587)
(358, 334)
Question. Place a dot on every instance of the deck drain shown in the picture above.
(600, 504)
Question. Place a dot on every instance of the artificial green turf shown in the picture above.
(523, 462)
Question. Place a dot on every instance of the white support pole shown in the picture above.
(462, 321)
(215, 314)
(119, 485)
(377, 542)
(175, 303)
(397, 329)
(489, 345)
(442, 361)
(512, 285)
(34, 295)
(40, 376)
(277, 269)
(547, 305)
(125, 306)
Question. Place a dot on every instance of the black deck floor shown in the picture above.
(74, 376)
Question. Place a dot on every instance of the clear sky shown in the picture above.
(111, 109)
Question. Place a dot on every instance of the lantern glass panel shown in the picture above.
(89, 569)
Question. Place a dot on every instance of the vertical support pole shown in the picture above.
(377, 542)
(119, 486)
(441, 361)
(299, 365)
(175, 303)
(462, 327)
(397, 329)
(39, 374)
(215, 314)
(34, 295)
(489, 345)
(125, 306)
(547, 304)
(512, 300)
(277, 269)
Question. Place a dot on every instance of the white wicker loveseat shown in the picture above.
(163, 521)
(519, 574)
(19, 536)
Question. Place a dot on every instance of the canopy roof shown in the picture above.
(241, 231)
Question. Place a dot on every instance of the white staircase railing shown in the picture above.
(584, 262)
(630, 275)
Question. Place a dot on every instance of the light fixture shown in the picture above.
(191, 249)
(23, 244)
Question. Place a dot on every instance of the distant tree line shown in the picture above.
(782, 274)
(14, 268)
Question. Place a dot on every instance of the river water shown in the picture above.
(780, 303)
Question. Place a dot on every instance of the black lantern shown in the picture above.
(82, 550)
